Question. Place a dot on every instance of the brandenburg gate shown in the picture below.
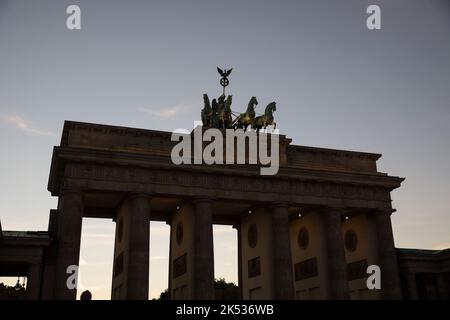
(308, 232)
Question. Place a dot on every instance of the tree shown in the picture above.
(223, 291)
(17, 292)
(164, 295)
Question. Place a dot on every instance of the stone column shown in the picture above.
(411, 284)
(138, 248)
(337, 266)
(69, 238)
(442, 286)
(239, 244)
(170, 286)
(282, 261)
(203, 255)
(34, 278)
(390, 280)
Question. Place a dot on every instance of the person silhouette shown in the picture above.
(86, 295)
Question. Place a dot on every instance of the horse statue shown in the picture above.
(266, 119)
(245, 119)
(214, 112)
(224, 114)
(206, 112)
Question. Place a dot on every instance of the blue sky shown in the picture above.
(147, 63)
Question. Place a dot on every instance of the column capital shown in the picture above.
(139, 195)
(382, 211)
(334, 210)
(71, 191)
(279, 210)
(279, 204)
(34, 263)
(197, 200)
(169, 219)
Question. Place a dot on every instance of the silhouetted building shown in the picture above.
(425, 274)
(23, 253)
(309, 232)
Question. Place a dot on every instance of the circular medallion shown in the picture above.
(179, 233)
(350, 240)
(252, 236)
(224, 82)
(303, 238)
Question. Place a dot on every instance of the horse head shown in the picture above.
(215, 106)
(229, 101)
(271, 107)
(206, 102)
(252, 104)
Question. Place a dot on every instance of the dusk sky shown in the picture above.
(146, 64)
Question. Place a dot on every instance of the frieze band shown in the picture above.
(234, 183)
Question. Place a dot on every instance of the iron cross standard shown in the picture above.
(224, 80)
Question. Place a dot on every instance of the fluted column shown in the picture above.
(138, 248)
(70, 222)
(337, 266)
(239, 252)
(442, 286)
(169, 281)
(282, 261)
(411, 284)
(34, 279)
(390, 281)
(203, 251)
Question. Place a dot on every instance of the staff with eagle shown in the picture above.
(218, 113)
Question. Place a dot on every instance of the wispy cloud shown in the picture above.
(440, 246)
(167, 112)
(24, 125)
